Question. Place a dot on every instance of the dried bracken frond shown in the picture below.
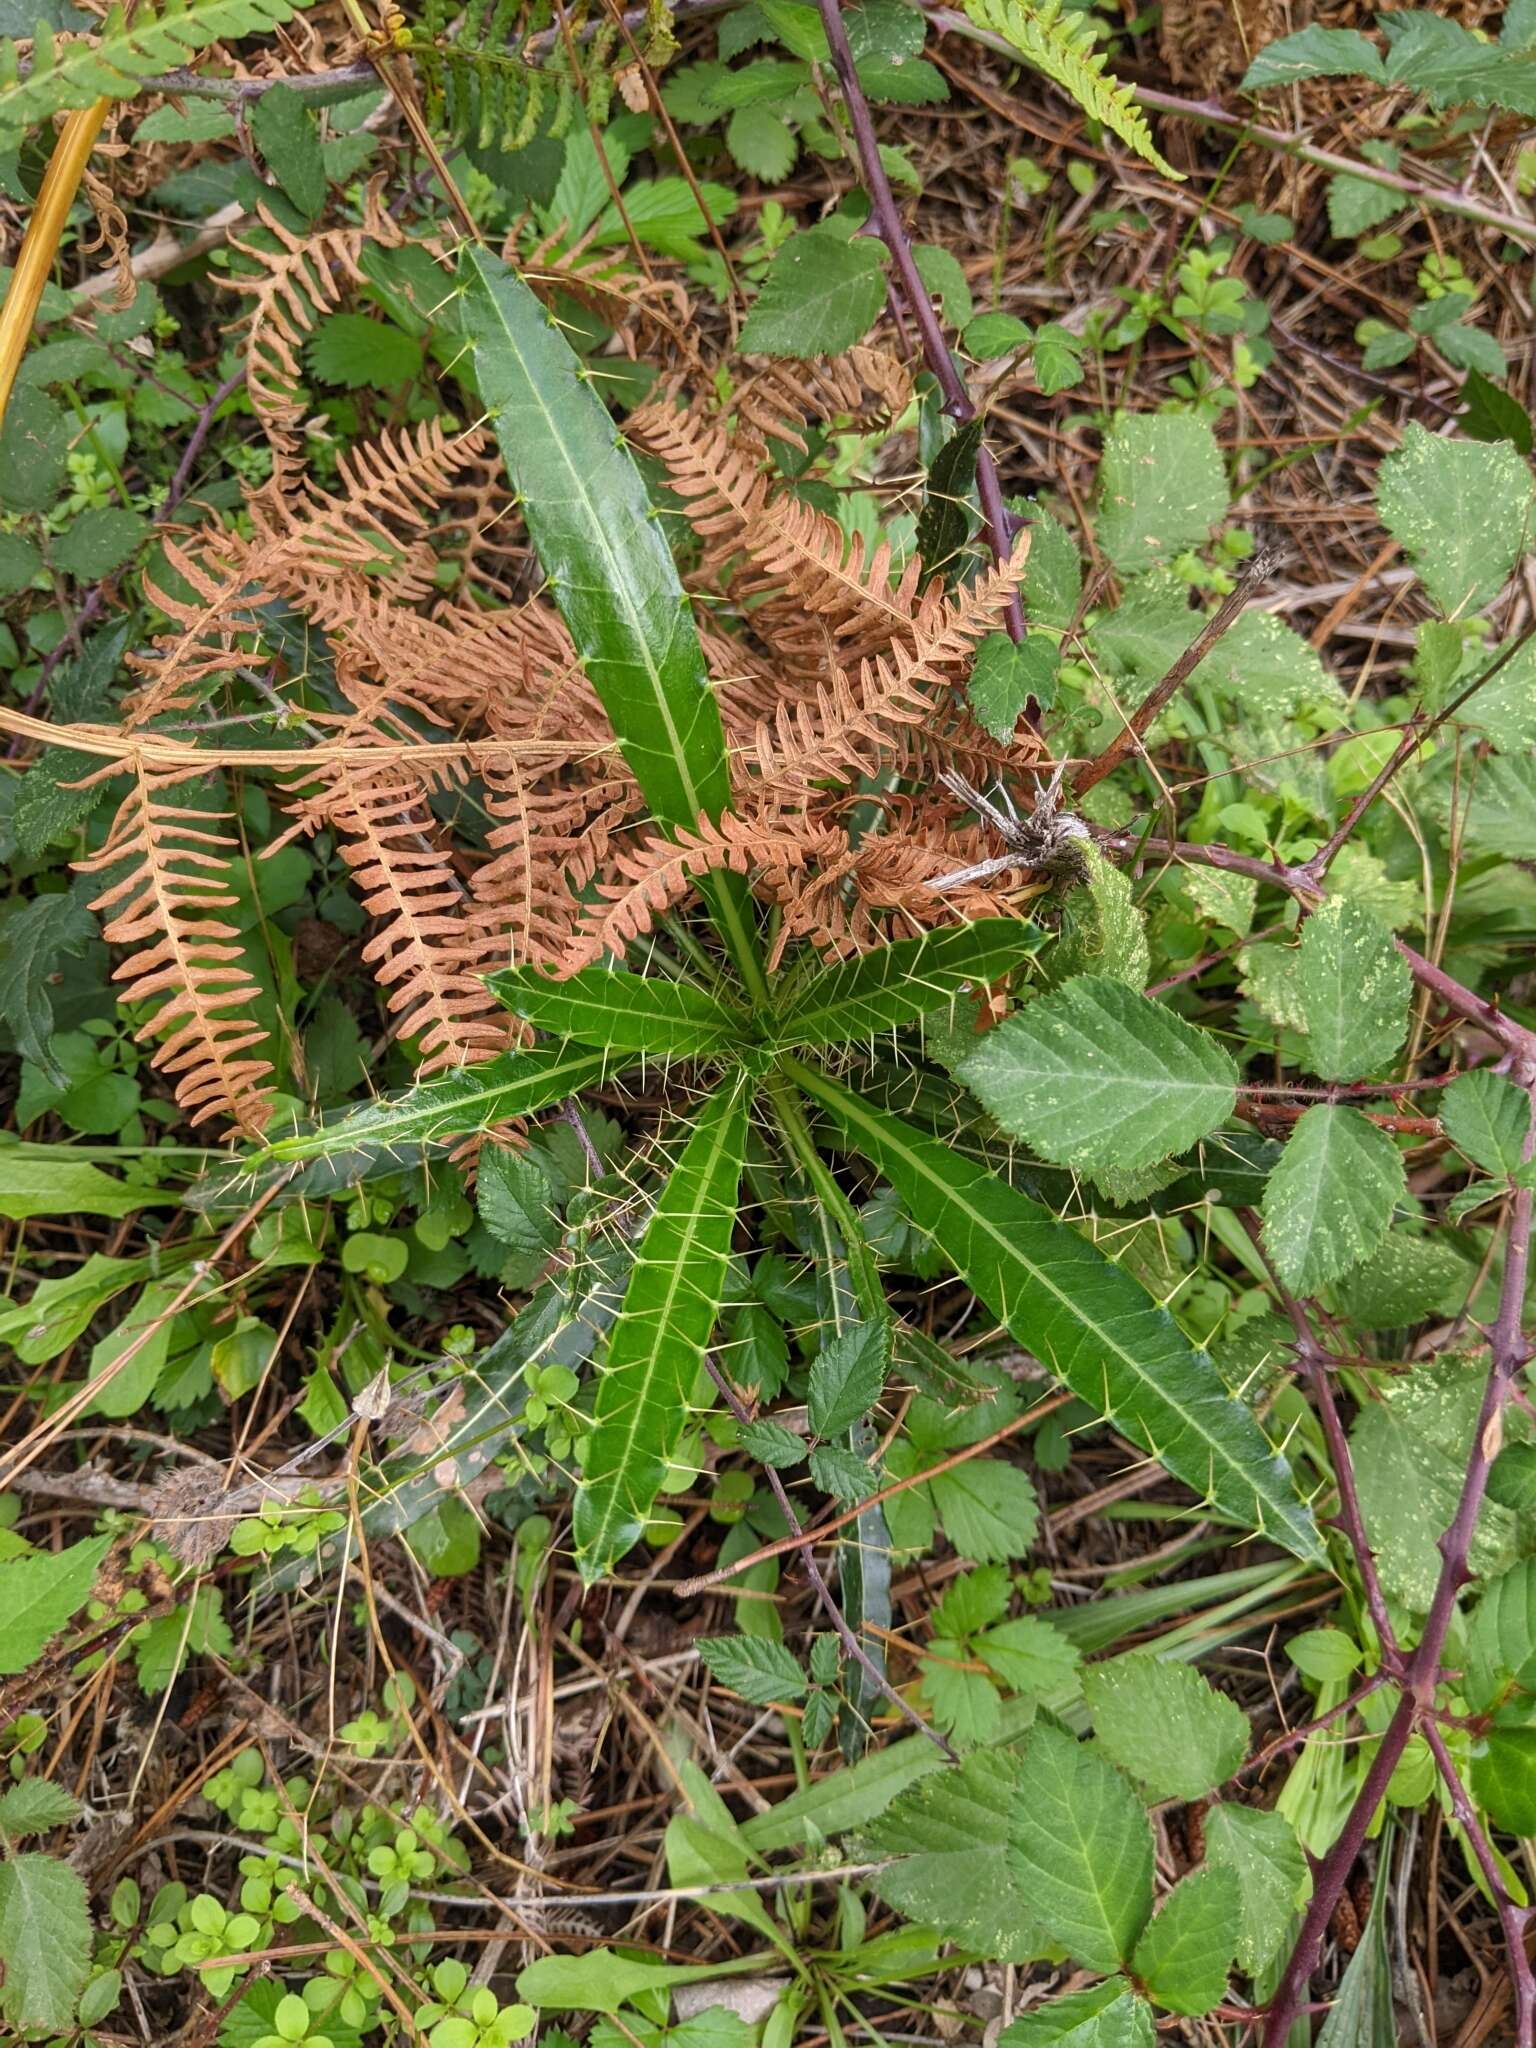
(417, 952)
(184, 957)
(845, 726)
(818, 592)
(343, 556)
(866, 387)
(294, 285)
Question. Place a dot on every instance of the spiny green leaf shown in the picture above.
(469, 1099)
(1353, 986)
(624, 1012)
(658, 1342)
(1461, 509)
(1330, 1200)
(1080, 1847)
(1165, 1724)
(1261, 1850)
(39, 1593)
(1085, 1318)
(1185, 1956)
(605, 555)
(1489, 1118)
(893, 984)
(1095, 1075)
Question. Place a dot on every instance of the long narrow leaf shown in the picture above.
(606, 557)
(469, 1099)
(896, 983)
(608, 1006)
(658, 1342)
(1084, 1317)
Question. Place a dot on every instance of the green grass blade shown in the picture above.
(623, 1012)
(896, 983)
(1082, 1316)
(658, 1342)
(469, 1099)
(609, 567)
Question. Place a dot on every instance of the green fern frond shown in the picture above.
(111, 65)
(478, 83)
(1060, 45)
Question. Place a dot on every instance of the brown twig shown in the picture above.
(1128, 740)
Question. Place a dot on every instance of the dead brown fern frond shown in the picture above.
(811, 591)
(185, 958)
(417, 952)
(843, 728)
(292, 286)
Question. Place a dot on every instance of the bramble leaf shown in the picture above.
(1353, 986)
(1096, 1075)
(1329, 1201)
(1080, 1848)
(1185, 1956)
(1165, 1724)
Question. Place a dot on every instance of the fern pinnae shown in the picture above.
(1059, 44)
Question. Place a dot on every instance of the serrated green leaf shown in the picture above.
(762, 1672)
(468, 1099)
(1080, 1848)
(1454, 68)
(1107, 2015)
(772, 1444)
(657, 1345)
(841, 1473)
(516, 1202)
(1461, 509)
(97, 541)
(1088, 1320)
(45, 1941)
(1512, 1478)
(1501, 1636)
(820, 295)
(847, 1376)
(949, 1834)
(19, 562)
(989, 1509)
(623, 1012)
(284, 130)
(1330, 1200)
(33, 1807)
(1489, 1118)
(991, 335)
(1261, 1850)
(1185, 1956)
(1161, 488)
(946, 520)
(1005, 675)
(1165, 1724)
(1057, 359)
(605, 555)
(1504, 1779)
(1030, 1657)
(1356, 205)
(1103, 930)
(892, 985)
(1353, 987)
(1492, 415)
(1314, 53)
(762, 142)
(1405, 1279)
(360, 354)
(1410, 1455)
(39, 1593)
(1095, 1075)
